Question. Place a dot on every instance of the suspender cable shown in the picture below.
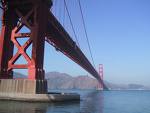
(87, 38)
(64, 13)
(71, 22)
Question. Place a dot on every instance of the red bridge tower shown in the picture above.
(101, 73)
(32, 14)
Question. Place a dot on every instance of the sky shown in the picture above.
(119, 34)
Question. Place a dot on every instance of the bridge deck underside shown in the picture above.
(60, 39)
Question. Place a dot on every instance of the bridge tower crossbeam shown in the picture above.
(31, 14)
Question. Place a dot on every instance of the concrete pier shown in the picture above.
(31, 90)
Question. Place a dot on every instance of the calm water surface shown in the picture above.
(92, 102)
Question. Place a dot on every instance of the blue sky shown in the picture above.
(119, 33)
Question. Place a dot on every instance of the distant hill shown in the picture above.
(58, 80)
(19, 75)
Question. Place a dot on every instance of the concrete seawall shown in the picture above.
(31, 90)
(23, 86)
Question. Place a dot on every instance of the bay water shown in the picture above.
(92, 101)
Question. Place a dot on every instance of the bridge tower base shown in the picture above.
(23, 86)
(31, 91)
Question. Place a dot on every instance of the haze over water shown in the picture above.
(91, 102)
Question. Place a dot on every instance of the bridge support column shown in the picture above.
(33, 16)
(38, 36)
(6, 45)
(22, 86)
(35, 20)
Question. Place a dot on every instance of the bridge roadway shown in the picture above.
(58, 37)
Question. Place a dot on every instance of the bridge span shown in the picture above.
(43, 26)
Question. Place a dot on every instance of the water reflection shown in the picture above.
(25, 107)
(67, 107)
(92, 102)
(22, 107)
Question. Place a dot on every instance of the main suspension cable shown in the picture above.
(71, 23)
(87, 38)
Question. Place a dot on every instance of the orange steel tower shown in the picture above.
(101, 73)
(32, 14)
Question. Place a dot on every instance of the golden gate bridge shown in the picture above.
(43, 26)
